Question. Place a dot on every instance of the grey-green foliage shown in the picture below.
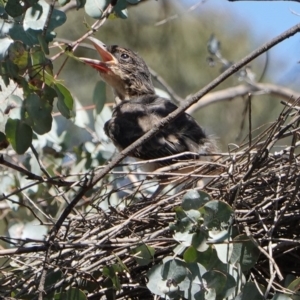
(26, 31)
(209, 260)
(25, 34)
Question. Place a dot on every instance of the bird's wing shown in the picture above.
(134, 118)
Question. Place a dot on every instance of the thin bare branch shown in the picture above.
(243, 90)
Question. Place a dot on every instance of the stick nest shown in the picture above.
(259, 179)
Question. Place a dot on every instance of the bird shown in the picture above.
(138, 108)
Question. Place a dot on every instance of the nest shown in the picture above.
(259, 179)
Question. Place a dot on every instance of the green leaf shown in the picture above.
(197, 271)
(65, 100)
(203, 258)
(156, 284)
(36, 17)
(11, 69)
(112, 273)
(244, 252)
(39, 113)
(295, 285)
(99, 96)
(18, 54)
(215, 280)
(216, 214)
(228, 288)
(95, 8)
(14, 8)
(199, 241)
(191, 255)
(120, 9)
(174, 271)
(18, 134)
(143, 254)
(194, 200)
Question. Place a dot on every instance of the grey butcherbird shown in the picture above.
(139, 109)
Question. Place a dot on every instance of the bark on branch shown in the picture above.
(243, 90)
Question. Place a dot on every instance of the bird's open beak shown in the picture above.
(107, 58)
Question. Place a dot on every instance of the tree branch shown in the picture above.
(33, 176)
(242, 90)
(190, 101)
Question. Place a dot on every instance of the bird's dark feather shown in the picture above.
(133, 118)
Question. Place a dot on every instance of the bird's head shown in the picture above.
(122, 69)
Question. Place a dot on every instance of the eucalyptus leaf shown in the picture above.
(112, 273)
(191, 254)
(18, 54)
(199, 241)
(229, 287)
(189, 288)
(19, 134)
(143, 254)
(174, 271)
(120, 9)
(65, 100)
(215, 280)
(216, 214)
(36, 17)
(14, 8)
(156, 284)
(194, 200)
(295, 285)
(95, 8)
(39, 113)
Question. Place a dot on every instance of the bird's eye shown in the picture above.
(124, 56)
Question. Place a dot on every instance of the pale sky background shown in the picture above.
(267, 19)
